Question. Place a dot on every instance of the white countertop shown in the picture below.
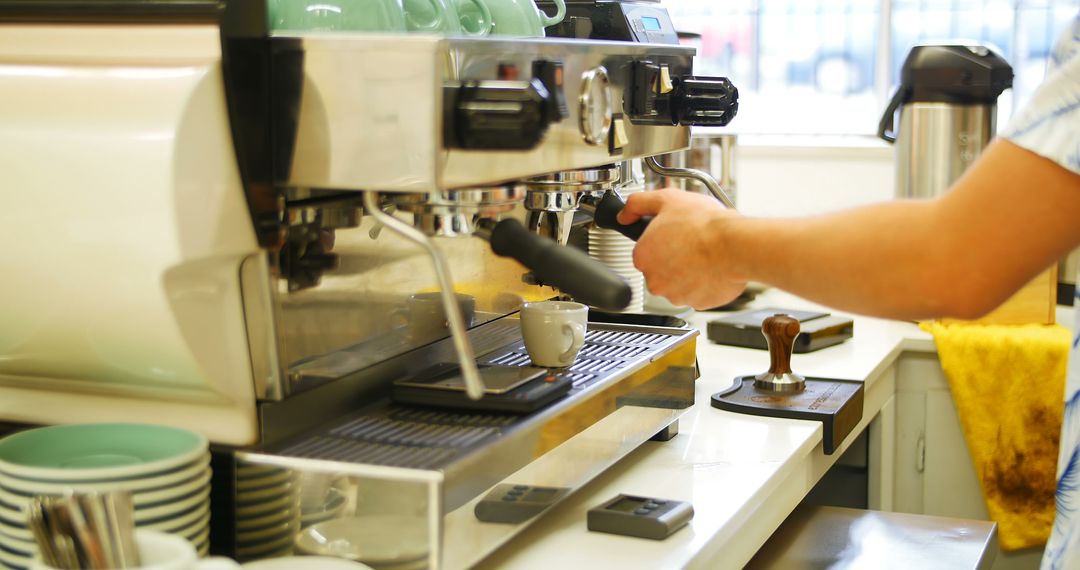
(743, 474)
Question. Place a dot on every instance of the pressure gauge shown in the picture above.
(594, 106)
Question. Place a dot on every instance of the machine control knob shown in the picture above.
(704, 101)
(780, 331)
(496, 115)
(550, 73)
(655, 97)
(642, 100)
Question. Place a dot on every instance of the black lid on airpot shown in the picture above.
(955, 74)
(969, 74)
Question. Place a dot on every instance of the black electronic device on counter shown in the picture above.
(513, 504)
(642, 517)
(511, 389)
(642, 21)
(819, 330)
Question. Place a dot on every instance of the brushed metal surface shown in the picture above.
(370, 110)
(936, 143)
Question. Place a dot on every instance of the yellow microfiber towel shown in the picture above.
(1008, 382)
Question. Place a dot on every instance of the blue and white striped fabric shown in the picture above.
(1050, 126)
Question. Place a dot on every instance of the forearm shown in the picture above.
(1009, 217)
(881, 259)
(1012, 215)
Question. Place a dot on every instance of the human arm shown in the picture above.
(1010, 216)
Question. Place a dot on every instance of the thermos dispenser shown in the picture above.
(947, 105)
(947, 100)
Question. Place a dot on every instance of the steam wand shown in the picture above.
(474, 386)
(698, 175)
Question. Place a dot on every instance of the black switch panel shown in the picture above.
(550, 73)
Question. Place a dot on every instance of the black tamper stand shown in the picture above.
(780, 393)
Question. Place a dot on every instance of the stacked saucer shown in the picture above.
(617, 252)
(384, 542)
(267, 511)
(167, 471)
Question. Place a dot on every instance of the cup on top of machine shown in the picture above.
(554, 331)
(337, 16)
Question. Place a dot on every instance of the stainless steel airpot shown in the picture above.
(947, 100)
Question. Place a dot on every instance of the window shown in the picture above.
(829, 66)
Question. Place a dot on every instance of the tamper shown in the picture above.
(781, 393)
(780, 332)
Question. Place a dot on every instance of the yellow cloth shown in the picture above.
(1008, 383)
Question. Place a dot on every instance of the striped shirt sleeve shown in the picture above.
(1049, 125)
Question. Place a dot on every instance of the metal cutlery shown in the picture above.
(85, 530)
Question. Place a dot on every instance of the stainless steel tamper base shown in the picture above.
(785, 383)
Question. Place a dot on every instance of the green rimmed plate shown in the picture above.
(98, 451)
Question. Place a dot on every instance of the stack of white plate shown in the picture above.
(267, 511)
(306, 563)
(617, 252)
(167, 471)
(384, 542)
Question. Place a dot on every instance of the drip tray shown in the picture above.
(607, 350)
(396, 435)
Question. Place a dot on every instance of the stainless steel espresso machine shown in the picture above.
(261, 237)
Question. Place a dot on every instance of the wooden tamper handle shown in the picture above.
(780, 331)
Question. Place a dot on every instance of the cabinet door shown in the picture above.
(950, 485)
(933, 472)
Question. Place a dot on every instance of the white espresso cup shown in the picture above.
(554, 331)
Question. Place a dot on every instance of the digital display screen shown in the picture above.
(541, 495)
(651, 24)
(627, 505)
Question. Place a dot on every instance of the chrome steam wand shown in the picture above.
(702, 177)
(474, 386)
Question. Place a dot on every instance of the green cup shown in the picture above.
(473, 17)
(443, 17)
(520, 18)
(337, 15)
(428, 16)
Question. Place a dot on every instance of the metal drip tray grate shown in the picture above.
(419, 438)
(511, 359)
(624, 337)
(402, 437)
(604, 351)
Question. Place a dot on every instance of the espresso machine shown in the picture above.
(241, 233)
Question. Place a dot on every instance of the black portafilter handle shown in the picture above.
(607, 213)
(571, 270)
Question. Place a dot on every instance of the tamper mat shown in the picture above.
(780, 393)
(837, 404)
